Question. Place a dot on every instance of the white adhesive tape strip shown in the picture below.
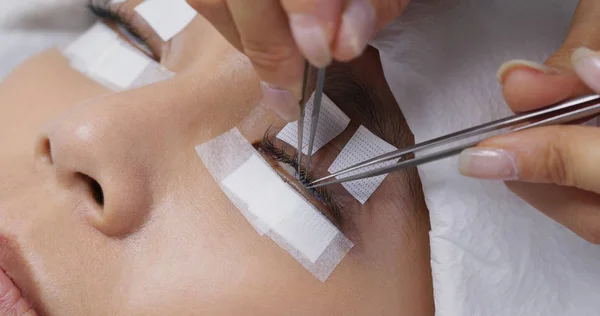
(242, 183)
(362, 146)
(272, 206)
(332, 122)
(103, 56)
(273, 201)
(119, 65)
(166, 17)
(89, 47)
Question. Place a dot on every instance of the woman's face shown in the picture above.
(105, 208)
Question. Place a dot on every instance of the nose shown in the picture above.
(98, 159)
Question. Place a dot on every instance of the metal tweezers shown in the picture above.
(569, 111)
(314, 115)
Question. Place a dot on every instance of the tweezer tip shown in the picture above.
(314, 185)
(324, 178)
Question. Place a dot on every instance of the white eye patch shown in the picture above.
(104, 57)
(166, 17)
(274, 202)
(272, 206)
(332, 122)
(362, 146)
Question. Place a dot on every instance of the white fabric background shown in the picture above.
(31, 26)
(491, 253)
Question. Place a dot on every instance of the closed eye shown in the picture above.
(109, 13)
(268, 148)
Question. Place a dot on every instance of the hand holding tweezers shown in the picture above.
(314, 116)
(561, 113)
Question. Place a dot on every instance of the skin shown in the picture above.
(167, 241)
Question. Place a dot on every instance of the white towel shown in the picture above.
(31, 26)
(491, 253)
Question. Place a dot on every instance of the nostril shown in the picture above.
(94, 187)
(44, 149)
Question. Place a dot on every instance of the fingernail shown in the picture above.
(281, 101)
(586, 63)
(357, 28)
(488, 163)
(509, 66)
(311, 40)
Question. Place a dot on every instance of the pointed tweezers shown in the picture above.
(314, 119)
(561, 113)
(302, 103)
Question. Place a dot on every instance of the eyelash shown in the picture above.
(103, 10)
(279, 154)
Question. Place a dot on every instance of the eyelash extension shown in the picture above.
(267, 145)
(103, 10)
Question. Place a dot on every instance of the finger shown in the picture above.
(565, 155)
(268, 42)
(584, 30)
(576, 209)
(528, 85)
(11, 300)
(313, 24)
(361, 19)
(587, 65)
(218, 14)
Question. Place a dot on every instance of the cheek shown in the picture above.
(68, 258)
(199, 252)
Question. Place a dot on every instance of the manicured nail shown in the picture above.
(357, 28)
(509, 66)
(586, 63)
(311, 40)
(488, 163)
(281, 101)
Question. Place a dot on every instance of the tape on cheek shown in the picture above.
(166, 17)
(104, 57)
(271, 206)
(362, 146)
(332, 122)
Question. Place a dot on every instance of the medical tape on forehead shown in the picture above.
(332, 122)
(362, 146)
(272, 206)
(166, 17)
(103, 56)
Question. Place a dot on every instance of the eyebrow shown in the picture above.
(276, 153)
(362, 101)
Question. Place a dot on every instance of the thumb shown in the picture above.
(587, 65)
(360, 21)
(565, 155)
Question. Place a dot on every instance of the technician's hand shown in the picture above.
(276, 34)
(555, 169)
